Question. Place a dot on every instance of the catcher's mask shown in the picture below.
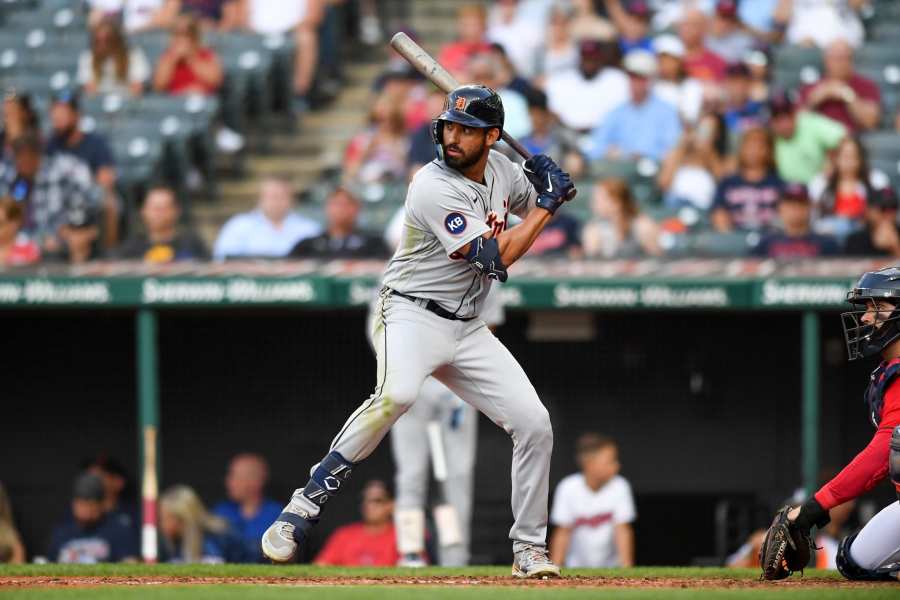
(470, 105)
(865, 340)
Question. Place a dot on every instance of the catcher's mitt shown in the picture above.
(785, 549)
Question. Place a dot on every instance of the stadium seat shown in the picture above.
(716, 244)
(883, 145)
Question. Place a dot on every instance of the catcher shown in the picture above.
(873, 553)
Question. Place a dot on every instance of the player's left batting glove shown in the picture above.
(788, 545)
(554, 186)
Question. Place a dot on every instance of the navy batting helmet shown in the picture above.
(867, 340)
(470, 105)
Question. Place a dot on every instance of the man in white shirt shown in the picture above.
(137, 15)
(593, 510)
(269, 231)
(582, 98)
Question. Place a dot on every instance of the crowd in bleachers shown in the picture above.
(692, 127)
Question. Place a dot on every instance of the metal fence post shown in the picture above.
(810, 414)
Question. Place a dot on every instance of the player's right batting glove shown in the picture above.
(554, 186)
(788, 545)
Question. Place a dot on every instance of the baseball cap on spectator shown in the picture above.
(88, 487)
(756, 58)
(641, 63)
(884, 198)
(727, 9)
(69, 97)
(639, 9)
(782, 102)
(668, 44)
(794, 192)
(591, 47)
(536, 99)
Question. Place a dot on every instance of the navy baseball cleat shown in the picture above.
(284, 536)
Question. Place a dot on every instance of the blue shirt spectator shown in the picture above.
(247, 510)
(643, 126)
(88, 535)
(650, 129)
(271, 230)
(758, 14)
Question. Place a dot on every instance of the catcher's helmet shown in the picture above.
(469, 105)
(864, 341)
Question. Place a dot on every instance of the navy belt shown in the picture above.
(432, 306)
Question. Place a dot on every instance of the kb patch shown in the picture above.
(455, 223)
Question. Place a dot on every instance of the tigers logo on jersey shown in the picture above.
(455, 223)
(460, 103)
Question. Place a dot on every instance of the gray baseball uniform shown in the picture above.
(444, 212)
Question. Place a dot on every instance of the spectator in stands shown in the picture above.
(796, 239)
(88, 535)
(247, 510)
(766, 20)
(136, 15)
(668, 13)
(369, 543)
(118, 494)
(644, 126)
(421, 145)
(302, 18)
(699, 61)
(748, 198)
(11, 548)
(270, 231)
(519, 36)
(485, 69)
(840, 193)
(342, 238)
(633, 23)
(560, 238)
(593, 510)
(617, 228)
(471, 31)
(727, 36)
(560, 52)
(803, 139)
(842, 94)
(379, 153)
(507, 77)
(19, 118)
(588, 25)
(547, 137)
(758, 61)
(403, 87)
(110, 66)
(189, 534)
(91, 148)
(161, 241)
(213, 14)
(881, 236)
(689, 172)
(58, 197)
(583, 97)
(741, 111)
(16, 249)
(821, 23)
(188, 67)
(672, 83)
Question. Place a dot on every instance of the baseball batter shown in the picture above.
(455, 243)
(872, 329)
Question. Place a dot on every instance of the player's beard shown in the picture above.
(465, 161)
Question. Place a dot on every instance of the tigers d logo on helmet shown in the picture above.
(460, 103)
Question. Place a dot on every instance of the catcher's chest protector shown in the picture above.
(879, 382)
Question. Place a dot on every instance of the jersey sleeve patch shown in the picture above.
(455, 223)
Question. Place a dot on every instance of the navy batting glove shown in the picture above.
(554, 186)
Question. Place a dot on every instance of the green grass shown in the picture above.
(393, 591)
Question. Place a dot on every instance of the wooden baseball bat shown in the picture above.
(149, 496)
(425, 64)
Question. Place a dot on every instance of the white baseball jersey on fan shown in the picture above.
(444, 212)
(592, 516)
